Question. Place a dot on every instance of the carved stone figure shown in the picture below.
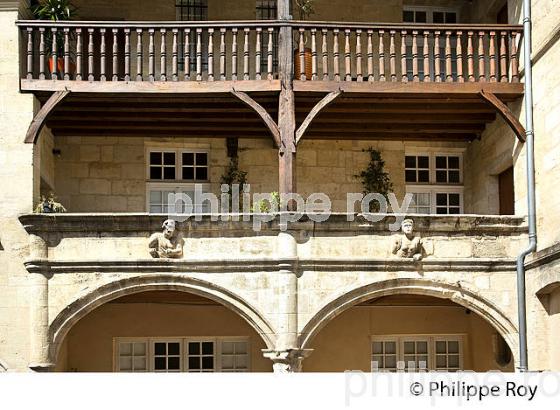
(408, 245)
(167, 244)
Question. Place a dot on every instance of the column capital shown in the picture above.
(287, 361)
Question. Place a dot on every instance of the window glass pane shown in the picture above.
(453, 162)
(188, 158)
(125, 349)
(408, 16)
(169, 158)
(207, 348)
(438, 17)
(409, 347)
(377, 347)
(201, 174)
(420, 17)
(454, 177)
(125, 363)
(139, 348)
(391, 362)
(173, 348)
(140, 363)
(241, 347)
(169, 173)
(450, 18)
(453, 361)
(423, 176)
(423, 199)
(441, 199)
(409, 161)
(453, 347)
(227, 362)
(208, 363)
(155, 173)
(194, 363)
(159, 363)
(441, 211)
(202, 158)
(174, 363)
(441, 176)
(454, 211)
(390, 347)
(227, 348)
(441, 162)
(194, 348)
(378, 360)
(155, 158)
(440, 347)
(188, 173)
(160, 348)
(454, 199)
(410, 176)
(441, 361)
(423, 162)
(422, 347)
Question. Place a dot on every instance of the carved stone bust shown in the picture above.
(167, 244)
(408, 245)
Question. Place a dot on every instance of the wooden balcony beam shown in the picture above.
(508, 116)
(41, 117)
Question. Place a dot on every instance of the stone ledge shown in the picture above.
(543, 257)
(50, 267)
(466, 225)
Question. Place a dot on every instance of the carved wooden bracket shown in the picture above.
(41, 117)
(506, 114)
(320, 106)
(261, 111)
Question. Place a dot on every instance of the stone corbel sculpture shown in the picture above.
(408, 245)
(167, 244)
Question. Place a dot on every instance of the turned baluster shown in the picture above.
(270, 54)
(258, 57)
(163, 55)
(336, 54)
(54, 53)
(139, 55)
(382, 55)
(460, 76)
(503, 57)
(426, 50)
(415, 74)
(492, 53)
(210, 54)
(234, 32)
(437, 57)
(198, 54)
(481, 58)
(359, 76)
(151, 56)
(42, 53)
(175, 55)
(370, 72)
(222, 54)
(347, 56)
(325, 51)
(90, 54)
(448, 58)
(314, 54)
(246, 55)
(126, 54)
(404, 73)
(103, 54)
(514, 61)
(393, 56)
(66, 53)
(79, 54)
(187, 54)
(470, 57)
(29, 53)
(302, 75)
(115, 55)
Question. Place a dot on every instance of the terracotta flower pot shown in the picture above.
(60, 66)
(308, 64)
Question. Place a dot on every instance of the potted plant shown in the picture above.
(305, 9)
(374, 178)
(55, 10)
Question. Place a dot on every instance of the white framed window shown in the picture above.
(435, 180)
(184, 354)
(413, 353)
(176, 170)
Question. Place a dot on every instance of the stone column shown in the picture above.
(39, 360)
(287, 361)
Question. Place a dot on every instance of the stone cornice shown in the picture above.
(51, 267)
(88, 224)
(543, 257)
(10, 5)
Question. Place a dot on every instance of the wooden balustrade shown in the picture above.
(220, 51)
(426, 53)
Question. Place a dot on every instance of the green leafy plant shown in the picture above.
(306, 8)
(55, 10)
(48, 205)
(233, 175)
(267, 205)
(374, 178)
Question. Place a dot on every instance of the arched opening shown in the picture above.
(152, 317)
(162, 331)
(404, 331)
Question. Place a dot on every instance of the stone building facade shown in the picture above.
(80, 291)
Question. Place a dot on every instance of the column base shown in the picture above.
(42, 367)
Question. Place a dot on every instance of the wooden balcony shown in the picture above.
(216, 56)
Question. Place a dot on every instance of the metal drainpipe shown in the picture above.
(531, 206)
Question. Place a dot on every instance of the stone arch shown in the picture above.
(458, 294)
(93, 299)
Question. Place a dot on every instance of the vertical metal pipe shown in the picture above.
(531, 206)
